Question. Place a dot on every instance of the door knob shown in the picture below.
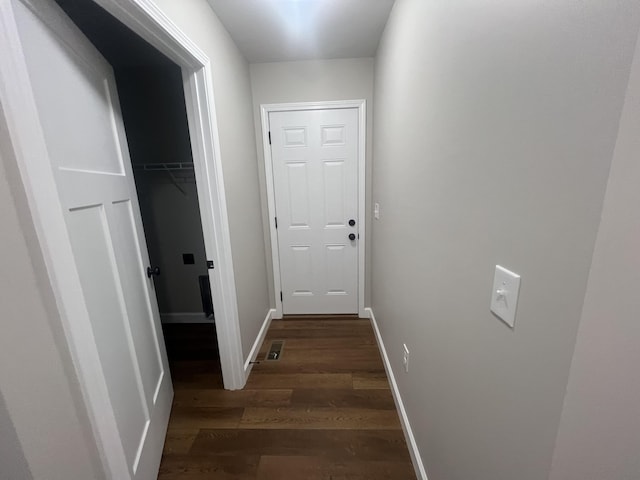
(352, 222)
(352, 236)
(151, 271)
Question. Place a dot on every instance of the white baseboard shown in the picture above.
(185, 317)
(421, 473)
(258, 343)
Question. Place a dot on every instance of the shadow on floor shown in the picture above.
(194, 360)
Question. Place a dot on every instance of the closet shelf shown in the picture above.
(163, 167)
(171, 169)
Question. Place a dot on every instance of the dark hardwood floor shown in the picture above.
(323, 411)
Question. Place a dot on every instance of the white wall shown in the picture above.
(13, 465)
(494, 128)
(41, 400)
(155, 119)
(173, 226)
(312, 81)
(599, 434)
(232, 89)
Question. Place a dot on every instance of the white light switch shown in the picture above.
(376, 211)
(504, 296)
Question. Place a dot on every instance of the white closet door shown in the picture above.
(77, 101)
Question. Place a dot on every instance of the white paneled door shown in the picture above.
(315, 169)
(77, 102)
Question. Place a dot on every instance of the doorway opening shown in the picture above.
(152, 101)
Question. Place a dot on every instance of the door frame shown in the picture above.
(25, 152)
(361, 106)
(149, 22)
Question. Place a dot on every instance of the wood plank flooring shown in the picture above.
(323, 411)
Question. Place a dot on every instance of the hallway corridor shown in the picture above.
(323, 411)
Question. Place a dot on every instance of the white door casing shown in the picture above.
(316, 162)
(75, 93)
(147, 20)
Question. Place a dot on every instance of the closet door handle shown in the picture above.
(151, 271)
(352, 236)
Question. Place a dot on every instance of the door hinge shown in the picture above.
(276, 219)
(269, 138)
(210, 264)
(280, 296)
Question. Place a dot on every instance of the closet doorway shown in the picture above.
(155, 119)
(152, 101)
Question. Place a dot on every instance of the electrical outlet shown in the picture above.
(405, 358)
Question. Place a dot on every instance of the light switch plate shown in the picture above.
(376, 211)
(504, 295)
(405, 357)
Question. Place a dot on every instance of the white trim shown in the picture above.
(258, 342)
(421, 473)
(265, 109)
(25, 144)
(362, 209)
(186, 317)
